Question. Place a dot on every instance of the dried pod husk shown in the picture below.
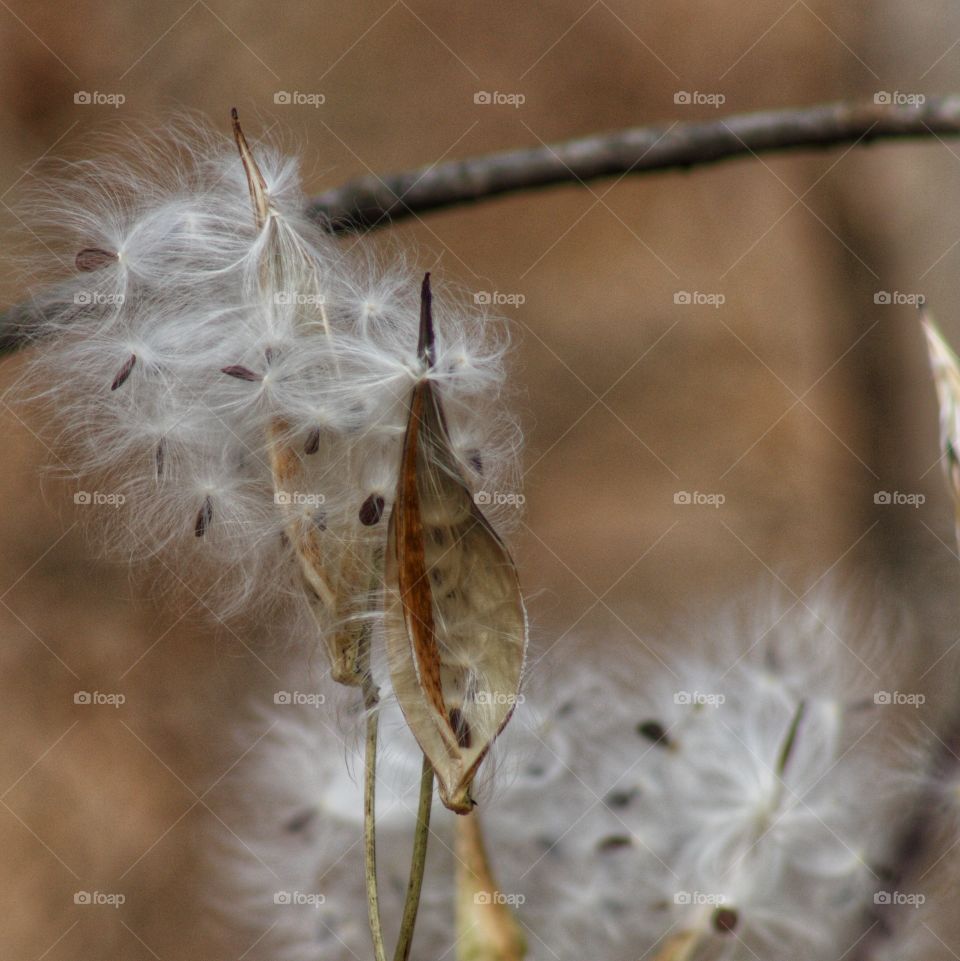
(455, 622)
(946, 378)
(335, 568)
(486, 927)
(329, 595)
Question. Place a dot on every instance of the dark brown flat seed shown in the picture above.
(93, 258)
(269, 354)
(124, 372)
(159, 456)
(299, 821)
(461, 728)
(320, 520)
(312, 444)
(619, 799)
(725, 920)
(204, 517)
(240, 372)
(371, 510)
(475, 461)
(614, 842)
(653, 731)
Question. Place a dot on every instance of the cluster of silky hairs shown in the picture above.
(299, 432)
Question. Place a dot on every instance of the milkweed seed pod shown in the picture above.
(456, 626)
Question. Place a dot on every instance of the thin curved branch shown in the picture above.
(372, 201)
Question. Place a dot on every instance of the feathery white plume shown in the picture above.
(744, 796)
(196, 357)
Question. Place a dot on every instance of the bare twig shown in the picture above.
(372, 201)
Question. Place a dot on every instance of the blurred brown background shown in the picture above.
(797, 399)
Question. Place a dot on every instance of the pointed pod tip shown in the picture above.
(460, 803)
(426, 345)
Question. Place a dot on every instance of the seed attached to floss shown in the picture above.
(94, 258)
(371, 510)
(204, 517)
(312, 443)
(654, 731)
(614, 842)
(725, 920)
(124, 372)
(241, 373)
(460, 727)
(159, 457)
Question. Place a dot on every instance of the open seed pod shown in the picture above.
(333, 566)
(946, 377)
(455, 622)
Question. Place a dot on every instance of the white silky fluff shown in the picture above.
(330, 337)
(616, 839)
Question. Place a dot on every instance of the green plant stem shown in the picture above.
(370, 700)
(417, 865)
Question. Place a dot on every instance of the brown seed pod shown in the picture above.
(455, 622)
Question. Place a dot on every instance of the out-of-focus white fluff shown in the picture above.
(631, 800)
(172, 289)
